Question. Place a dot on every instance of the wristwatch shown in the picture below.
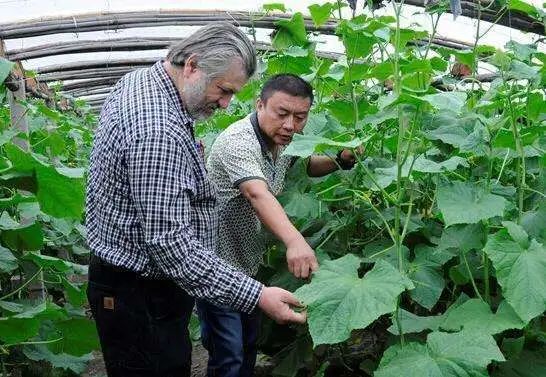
(345, 165)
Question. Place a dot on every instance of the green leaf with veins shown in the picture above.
(290, 33)
(520, 272)
(320, 13)
(306, 145)
(338, 301)
(467, 203)
(8, 262)
(40, 352)
(443, 355)
(463, 237)
(269, 7)
(5, 68)
(425, 270)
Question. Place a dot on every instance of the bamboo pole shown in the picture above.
(512, 18)
(89, 83)
(136, 62)
(133, 44)
(122, 20)
(86, 74)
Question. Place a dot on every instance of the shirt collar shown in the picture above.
(167, 84)
(259, 133)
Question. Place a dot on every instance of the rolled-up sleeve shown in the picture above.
(162, 186)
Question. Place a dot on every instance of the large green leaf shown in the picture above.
(525, 7)
(61, 193)
(57, 264)
(297, 65)
(444, 355)
(17, 330)
(306, 145)
(77, 364)
(5, 68)
(79, 337)
(75, 293)
(475, 315)
(15, 199)
(463, 237)
(303, 206)
(533, 222)
(338, 301)
(425, 165)
(269, 7)
(467, 203)
(320, 13)
(447, 101)
(426, 273)
(357, 39)
(8, 262)
(25, 325)
(465, 132)
(528, 364)
(520, 272)
(60, 190)
(344, 110)
(412, 323)
(290, 33)
(21, 236)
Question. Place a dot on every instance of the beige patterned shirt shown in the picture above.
(240, 154)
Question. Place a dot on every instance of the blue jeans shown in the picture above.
(230, 337)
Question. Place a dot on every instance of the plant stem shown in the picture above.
(34, 343)
(486, 290)
(23, 285)
(519, 147)
(401, 132)
(471, 277)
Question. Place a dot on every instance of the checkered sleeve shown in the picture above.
(240, 157)
(161, 186)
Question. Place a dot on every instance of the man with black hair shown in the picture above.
(248, 167)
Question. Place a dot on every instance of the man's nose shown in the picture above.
(224, 101)
(289, 124)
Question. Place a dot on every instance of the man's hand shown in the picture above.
(300, 258)
(347, 158)
(277, 302)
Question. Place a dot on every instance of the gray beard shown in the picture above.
(194, 98)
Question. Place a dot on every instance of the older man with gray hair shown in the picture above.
(151, 216)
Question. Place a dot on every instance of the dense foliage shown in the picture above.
(432, 249)
(43, 252)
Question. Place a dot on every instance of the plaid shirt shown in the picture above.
(150, 205)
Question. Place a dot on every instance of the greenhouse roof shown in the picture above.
(73, 41)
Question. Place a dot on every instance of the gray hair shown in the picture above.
(215, 46)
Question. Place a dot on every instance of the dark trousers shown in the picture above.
(142, 324)
(230, 337)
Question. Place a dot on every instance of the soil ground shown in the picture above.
(199, 363)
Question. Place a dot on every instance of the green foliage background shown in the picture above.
(432, 249)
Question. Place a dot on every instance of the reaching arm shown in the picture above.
(319, 166)
(299, 255)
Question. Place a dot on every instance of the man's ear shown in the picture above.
(190, 65)
(259, 104)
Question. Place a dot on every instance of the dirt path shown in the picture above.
(199, 364)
